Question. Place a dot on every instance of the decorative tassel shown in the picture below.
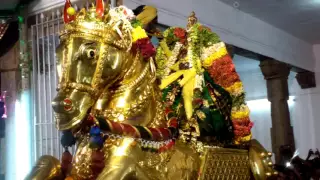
(67, 139)
(96, 140)
(100, 8)
(97, 157)
(69, 12)
(97, 162)
(66, 163)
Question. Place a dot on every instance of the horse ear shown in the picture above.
(69, 12)
(100, 8)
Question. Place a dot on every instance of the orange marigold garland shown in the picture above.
(222, 71)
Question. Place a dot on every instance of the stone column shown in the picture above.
(276, 74)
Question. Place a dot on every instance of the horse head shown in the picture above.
(93, 55)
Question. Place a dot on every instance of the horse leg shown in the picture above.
(46, 168)
(123, 162)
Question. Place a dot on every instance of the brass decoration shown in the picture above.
(260, 161)
(225, 164)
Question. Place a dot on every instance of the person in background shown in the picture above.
(148, 16)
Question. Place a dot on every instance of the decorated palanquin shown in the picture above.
(137, 112)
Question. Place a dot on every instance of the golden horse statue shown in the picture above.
(126, 124)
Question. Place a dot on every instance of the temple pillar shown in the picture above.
(276, 75)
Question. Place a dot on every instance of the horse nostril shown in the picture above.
(67, 104)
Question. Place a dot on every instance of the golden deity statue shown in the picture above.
(136, 112)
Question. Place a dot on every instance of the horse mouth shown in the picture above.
(66, 122)
(71, 108)
(60, 118)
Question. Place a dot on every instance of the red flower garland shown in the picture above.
(242, 127)
(223, 72)
(145, 47)
(180, 34)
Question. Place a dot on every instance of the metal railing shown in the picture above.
(44, 40)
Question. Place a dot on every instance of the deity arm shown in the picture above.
(46, 168)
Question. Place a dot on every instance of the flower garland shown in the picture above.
(205, 50)
(169, 49)
(172, 59)
(189, 69)
(141, 41)
(173, 35)
(194, 47)
(208, 38)
(222, 70)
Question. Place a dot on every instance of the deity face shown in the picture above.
(85, 67)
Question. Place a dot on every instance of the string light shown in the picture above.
(23, 116)
(18, 129)
(24, 56)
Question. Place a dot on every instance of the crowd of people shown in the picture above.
(297, 168)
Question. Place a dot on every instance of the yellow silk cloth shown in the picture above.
(147, 15)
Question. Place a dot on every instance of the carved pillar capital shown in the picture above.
(273, 69)
(306, 79)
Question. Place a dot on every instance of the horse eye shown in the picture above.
(91, 53)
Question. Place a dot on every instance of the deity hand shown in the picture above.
(187, 83)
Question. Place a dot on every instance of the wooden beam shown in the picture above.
(8, 70)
